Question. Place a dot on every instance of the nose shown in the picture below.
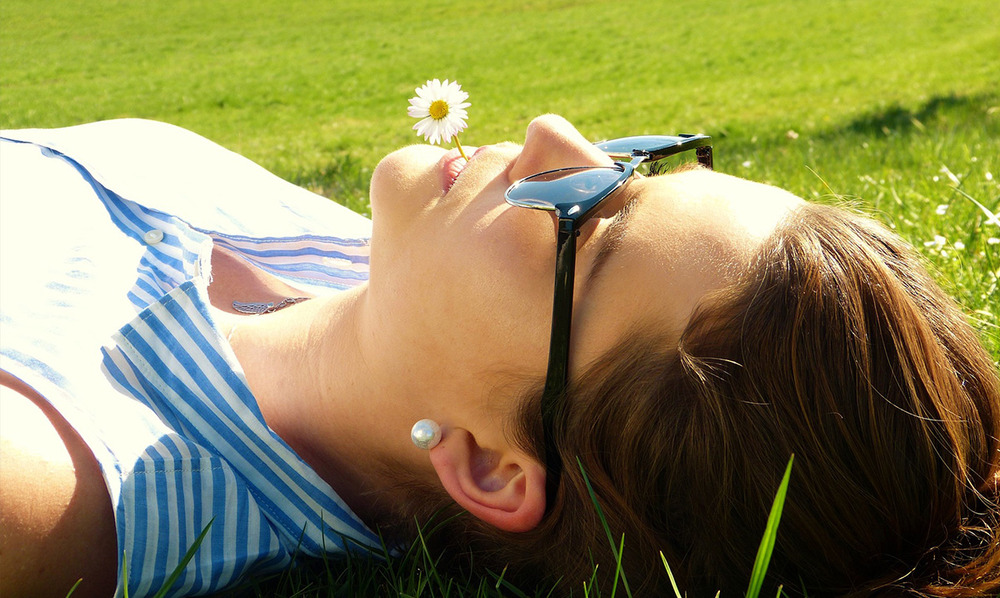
(552, 142)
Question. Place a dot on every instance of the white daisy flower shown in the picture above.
(441, 108)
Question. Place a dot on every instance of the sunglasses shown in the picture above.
(575, 194)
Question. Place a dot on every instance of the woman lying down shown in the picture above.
(190, 343)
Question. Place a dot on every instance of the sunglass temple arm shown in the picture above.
(557, 376)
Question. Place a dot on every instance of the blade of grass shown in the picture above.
(184, 561)
(991, 218)
(618, 568)
(432, 572)
(607, 529)
(73, 589)
(770, 533)
(125, 571)
(670, 574)
(502, 582)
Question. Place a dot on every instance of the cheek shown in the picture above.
(503, 280)
(516, 255)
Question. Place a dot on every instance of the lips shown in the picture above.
(452, 163)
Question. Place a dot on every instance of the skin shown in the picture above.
(454, 320)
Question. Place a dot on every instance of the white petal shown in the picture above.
(418, 111)
(429, 129)
(456, 96)
(436, 135)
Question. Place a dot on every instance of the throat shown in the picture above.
(300, 364)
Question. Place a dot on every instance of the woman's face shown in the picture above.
(465, 281)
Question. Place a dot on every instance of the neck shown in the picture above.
(322, 388)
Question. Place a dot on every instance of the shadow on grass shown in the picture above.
(902, 120)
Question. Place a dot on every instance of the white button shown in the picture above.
(153, 237)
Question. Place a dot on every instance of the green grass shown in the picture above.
(298, 84)
(892, 106)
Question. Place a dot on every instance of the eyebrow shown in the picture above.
(611, 241)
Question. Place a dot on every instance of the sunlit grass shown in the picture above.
(298, 84)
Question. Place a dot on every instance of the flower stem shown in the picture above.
(460, 150)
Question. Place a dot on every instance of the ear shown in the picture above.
(504, 489)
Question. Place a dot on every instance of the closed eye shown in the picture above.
(611, 241)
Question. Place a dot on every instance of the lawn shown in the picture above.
(891, 106)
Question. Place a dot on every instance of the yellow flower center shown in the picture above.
(438, 109)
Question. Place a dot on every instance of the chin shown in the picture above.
(406, 178)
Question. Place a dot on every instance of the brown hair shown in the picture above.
(835, 345)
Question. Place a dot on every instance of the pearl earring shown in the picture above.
(425, 434)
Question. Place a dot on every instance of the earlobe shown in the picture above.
(506, 490)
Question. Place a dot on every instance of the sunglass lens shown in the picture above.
(623, 148)
(547, 190)
(655, 146)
